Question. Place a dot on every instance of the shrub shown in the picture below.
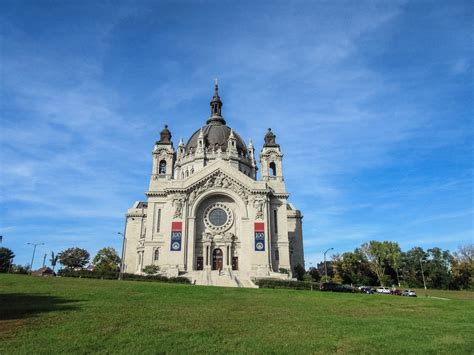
(151, 269)
(114, 275)
(298, 285)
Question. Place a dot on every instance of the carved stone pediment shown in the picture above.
(218, 180)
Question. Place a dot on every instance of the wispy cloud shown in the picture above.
(375, 130)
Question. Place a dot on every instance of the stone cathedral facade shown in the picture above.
(207, 215)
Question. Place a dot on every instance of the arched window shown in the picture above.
(162, 167)
(156, 254)
(187, 173)
(273, 169)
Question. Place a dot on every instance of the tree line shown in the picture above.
(373, 263)
(385, 264)
(106, 260)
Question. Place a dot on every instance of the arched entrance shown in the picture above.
(217, 259)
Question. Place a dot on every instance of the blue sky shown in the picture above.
(371, 103)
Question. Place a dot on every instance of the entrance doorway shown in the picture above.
(199, 263)
(217, 259)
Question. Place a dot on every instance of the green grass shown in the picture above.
(65, 315)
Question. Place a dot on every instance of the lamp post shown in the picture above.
(34, 250)
(423, 275)
(325, 265)
(123, 252)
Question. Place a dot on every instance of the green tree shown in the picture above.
(74, 258)
(462, 267)
(378, 256)
(394, 259)
(438, 273)
(106, 259)
(410, 267)
(6, 258)
(299, 272)
(314, 273)
(353, 268)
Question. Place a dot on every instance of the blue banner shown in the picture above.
(259, 241)
(175, 241)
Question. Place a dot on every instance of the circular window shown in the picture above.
(218, 217)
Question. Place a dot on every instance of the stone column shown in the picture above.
(190, 237)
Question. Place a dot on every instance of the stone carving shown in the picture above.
(258, 205)
(219, 180)
(178, 203)
(207, 236)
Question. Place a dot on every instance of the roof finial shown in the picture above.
(216, 106)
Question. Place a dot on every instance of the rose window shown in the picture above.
(218, 217)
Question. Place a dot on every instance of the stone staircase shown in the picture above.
(227, 278)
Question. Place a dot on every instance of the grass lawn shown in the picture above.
(65, 315)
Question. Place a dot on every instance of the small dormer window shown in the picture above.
(272, 169)
(162, 167)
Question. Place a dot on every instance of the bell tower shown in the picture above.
(163, 156)
(271, 159)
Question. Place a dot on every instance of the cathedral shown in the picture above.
(207, 215)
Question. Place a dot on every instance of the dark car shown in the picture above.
(367, 289)
(396, 292)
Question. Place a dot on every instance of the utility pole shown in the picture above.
(44, 260)
(34, 250)
(424, 281)
(325, 265)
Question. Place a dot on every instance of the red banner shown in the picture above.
(259, 227)
(176, 226)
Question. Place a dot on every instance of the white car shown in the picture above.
(384, 290)
(409, 293)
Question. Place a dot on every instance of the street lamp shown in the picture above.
(34, 250)
(325, 265)
(123, 252)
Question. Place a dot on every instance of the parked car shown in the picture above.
(409, 293)
(367, 289)
(396, 292)
(384, 290)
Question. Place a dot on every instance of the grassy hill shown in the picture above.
(65, 315)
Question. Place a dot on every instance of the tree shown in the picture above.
(6, 258)
(438, 273)
(462, 267)
(74, 258)
(314, 273)
(410, 267)
(53, 260)
(106, 259)
(299, 272)
(353, 268)
(378, 256)
(394, 261)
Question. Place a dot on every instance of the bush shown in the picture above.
(20, 269)
(114, 275)
(151, 269)
(298, 285)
